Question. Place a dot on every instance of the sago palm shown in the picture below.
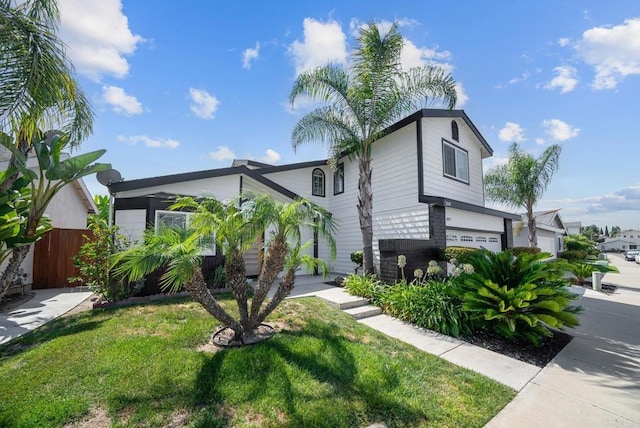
(517, 297)
(521, 182)
(360, 103)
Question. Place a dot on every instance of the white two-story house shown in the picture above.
(428, 193)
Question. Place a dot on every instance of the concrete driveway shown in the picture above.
(595, 380)
(45, 306)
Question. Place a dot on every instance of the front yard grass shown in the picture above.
(146, 366)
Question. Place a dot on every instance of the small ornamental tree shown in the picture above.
(236, 225)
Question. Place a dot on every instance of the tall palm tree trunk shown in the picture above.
(272, 265)
(531, 224)
(197, 287)
(365, 211)
(11, 271)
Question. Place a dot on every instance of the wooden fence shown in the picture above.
(53, 257)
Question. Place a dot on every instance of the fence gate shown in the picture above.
(53, 257)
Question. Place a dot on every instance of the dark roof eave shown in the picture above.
(452, 203)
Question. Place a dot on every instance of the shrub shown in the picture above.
(578, 243)
(583, 270)
(367, 286)
(357, 257)
(517, 297)
(93, 260)
(573, 255)
(430, 304)
(525, 250)
(461, 254)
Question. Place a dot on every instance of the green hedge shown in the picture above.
(461, 254)
(573, 255)
(525, 250)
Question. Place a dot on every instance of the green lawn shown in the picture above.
(142, 366)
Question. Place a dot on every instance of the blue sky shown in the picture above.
(187, 86)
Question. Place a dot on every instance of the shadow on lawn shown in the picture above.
(313, 380)
(59, 327)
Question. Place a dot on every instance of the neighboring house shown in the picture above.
(427, 193)
(573, 227)
(550, 230)
(49, 262)
(628, 239)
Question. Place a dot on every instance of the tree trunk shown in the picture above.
(365, 212)
(272, 265)
(531, 224)
(284, 289)
(237, 277)
(11, 271)
(197, 287)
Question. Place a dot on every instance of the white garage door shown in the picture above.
(467, 238)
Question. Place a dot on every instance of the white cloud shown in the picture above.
(564, 41)
(462, 95)
(149, 142)
(626, 199)
(494, 161)
(559, 130)
(250, 55)
(524, 76)
(222, 153)
(121, 101)
(271, 156)
(565, 80)
(512, 132)
(98, 37)
(413, 56)
(540, 141)
(323, 43)
(203, 104)
(614, 52)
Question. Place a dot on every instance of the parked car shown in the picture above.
(638, 258)
(630, 255)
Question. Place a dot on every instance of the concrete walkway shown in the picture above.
(45, 306)
(595, 380)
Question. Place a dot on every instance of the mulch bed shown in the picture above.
(522, 350)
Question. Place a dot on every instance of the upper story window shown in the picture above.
(338, 179)
(455, 162)
(317, 182)
(454, 131)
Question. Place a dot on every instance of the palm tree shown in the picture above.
(38, 89)
(235, 225)
(521, 182)
(361, 102)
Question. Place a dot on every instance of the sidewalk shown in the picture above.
(595, 380)
(45, 306)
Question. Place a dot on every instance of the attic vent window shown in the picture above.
(454, 131)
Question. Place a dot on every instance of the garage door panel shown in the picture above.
(474, 239)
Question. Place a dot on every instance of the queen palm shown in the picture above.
(236, 225)
(361, 102)
(521, 182)
(38, 89)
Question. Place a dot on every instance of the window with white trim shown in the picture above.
(317, 182)
(338, 179)
(466, 238)
(181, 220)
(455, 162)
